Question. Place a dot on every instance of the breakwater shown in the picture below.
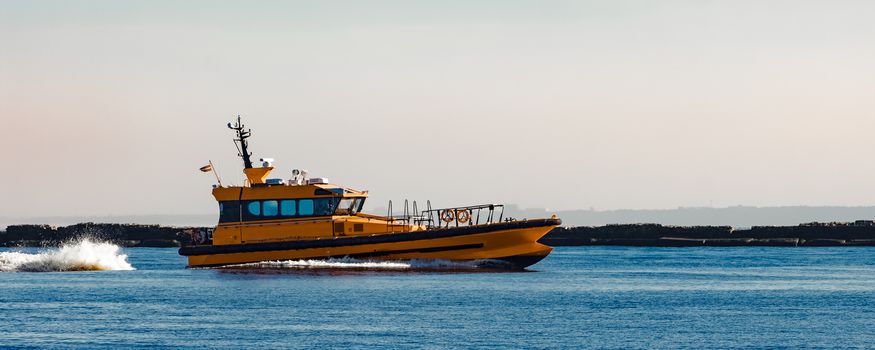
(126, 235)
(858, 233)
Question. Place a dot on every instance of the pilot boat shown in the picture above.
(270, 219)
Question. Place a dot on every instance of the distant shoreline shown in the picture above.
(857, 233)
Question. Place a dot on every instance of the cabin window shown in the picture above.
(269, 208)
(305, 207)
(343, 207)
(287, 208)
(322, 192)
(254, 208)
(324, 206)
(348, 206)
(229, 211)
(273, 208)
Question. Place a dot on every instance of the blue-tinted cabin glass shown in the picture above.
(321, 207)
(325, 206)
(254, 208)
(287, 208)
(269, 208)
(333, 203)
(305, 207)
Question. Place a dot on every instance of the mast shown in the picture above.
(242, 135)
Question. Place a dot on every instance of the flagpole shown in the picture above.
(213, 168)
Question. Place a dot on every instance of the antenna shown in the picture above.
(242, 135)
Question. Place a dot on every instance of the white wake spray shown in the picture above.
(83, 255)
(348, 263)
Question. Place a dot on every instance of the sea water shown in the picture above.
(578, 297)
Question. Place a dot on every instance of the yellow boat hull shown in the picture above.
(512, 243)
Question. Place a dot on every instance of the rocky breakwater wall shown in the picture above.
(127, 235)
(858, 233)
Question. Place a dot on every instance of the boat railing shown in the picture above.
(407, 216)
(471, 215)
(431, 218)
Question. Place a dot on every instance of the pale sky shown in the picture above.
(110, 107)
